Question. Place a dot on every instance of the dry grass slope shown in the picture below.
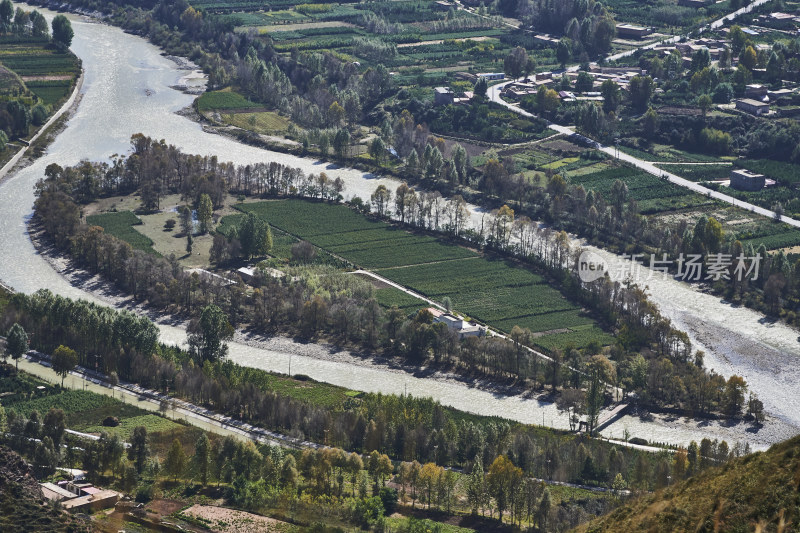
(759, 492)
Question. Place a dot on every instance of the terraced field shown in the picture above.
(497, 292)
(37, 64)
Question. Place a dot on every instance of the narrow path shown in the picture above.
(615, 391)
(58, 114)
(685, 163)
(453, 260)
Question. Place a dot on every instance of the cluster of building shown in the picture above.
(621, 75)
(758, 98)
(688, 48)
(458, 325)
(779, 21)
(79, 496)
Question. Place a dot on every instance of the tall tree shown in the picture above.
(175, 461)
(205, 210)
(610, 91)
(255, 236)
(202, 457)
(641, 90)
(380, 199)
(749, 58)
(6, 14)
(600, 371)
(64, 361)
(502, 477)
(476, 487)
(139, 449)
(62, 31)
(402, 197)
(517, 63)
(54, 426)
(17, 342)
(207, 336)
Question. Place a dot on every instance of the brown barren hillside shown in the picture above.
(758, 492)
(22, 506)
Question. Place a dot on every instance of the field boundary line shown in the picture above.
(451, 260)
(63, 109)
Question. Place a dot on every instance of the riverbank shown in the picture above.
(370, 372)
(321, 350)
(49, 129)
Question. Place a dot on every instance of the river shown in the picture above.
(126, 90)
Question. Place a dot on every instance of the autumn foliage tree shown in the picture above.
(504, 479)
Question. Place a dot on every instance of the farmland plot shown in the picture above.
(121, 225)
(498, 292)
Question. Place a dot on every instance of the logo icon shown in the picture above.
(591, 266)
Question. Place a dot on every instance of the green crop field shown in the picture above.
(282, 242)
(653, 195)
(497, 292)
(153, 423)
(785, 239)
(120, 225)
(33, 64)
(50, 91)
(227, 100)
(699, 172)
(364, 242)
(262, 122)
(641, 185)
(314, 392)
(390, 296)
(83, 409)
(32, 60)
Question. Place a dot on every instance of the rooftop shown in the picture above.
(750, 101)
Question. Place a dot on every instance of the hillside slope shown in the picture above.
(22, 506)
(759, 492)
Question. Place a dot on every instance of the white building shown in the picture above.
(458, 325)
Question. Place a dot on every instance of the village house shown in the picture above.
(632, 31)
(79, 496)
(456, 324)
(756, 91)
(100, 500)
(754, 107)
(744, 180)
(443, 96)
(492, 76)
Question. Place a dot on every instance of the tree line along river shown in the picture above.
(126, 90)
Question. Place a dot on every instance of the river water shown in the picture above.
(127, 90)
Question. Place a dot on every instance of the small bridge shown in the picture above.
(606, 417)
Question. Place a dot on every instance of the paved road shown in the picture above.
(58, 114)
(647, 166)
(37, 364)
